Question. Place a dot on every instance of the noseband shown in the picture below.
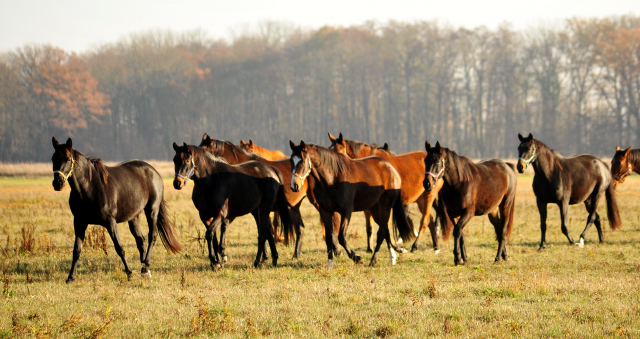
(440, 174)
(623, 175)
(304, 176)
(531, 159)
(66, 176)
(186, 178)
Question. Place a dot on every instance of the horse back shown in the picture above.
(582, 174)
(376, 171)
(411, 168)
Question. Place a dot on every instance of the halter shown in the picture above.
(625, 174)
(440, 174)
(302, 177)
(66, 176)
(186, 178)
(531, 158)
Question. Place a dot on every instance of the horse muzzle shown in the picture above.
(58, 183)
(178, 183)
(427, 185)
(521, 166)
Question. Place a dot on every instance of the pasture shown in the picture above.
(564, 291)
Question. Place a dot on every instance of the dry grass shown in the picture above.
(563, 291)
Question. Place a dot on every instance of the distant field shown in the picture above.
(564, 291)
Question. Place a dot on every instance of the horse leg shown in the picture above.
(80, 229)
(596, 221)
(327, 221)
(267, 229)
(223, 239)
(112, 228)
(335, 222)
(381, 236)
(296, 217)
(564, 218)
(342, 238)
(494, 218)
(591, 205)
(458, 241)
(212, 225)
(424, 206)
(367, 219)
(276, 223)
(542, 209)
(134, 227)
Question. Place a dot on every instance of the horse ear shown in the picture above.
(385, 147)
(55, 142)
(427, 145)
(176, 147)
(184, 146)
(626, 152)
(303, 145)
(292, 144)
(242, 143)
(69, 143)
(520, 137)
(206, 137)
(438, 146)
(331, 137)
(617, 147)
(250, 141)
(340, 138)
(530, 137)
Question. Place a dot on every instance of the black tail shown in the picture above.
(400, 219)
(282, 204)
(612, 208)
(165, 227)
(513, 167)
(407, 213)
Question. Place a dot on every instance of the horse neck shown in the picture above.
(321, 172)
(381, 154)
(79, 181)
(451, 174)
(634, 160)
(544, 161)
(238, 155)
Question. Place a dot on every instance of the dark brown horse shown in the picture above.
(624, 163)
(470, 189)
(410, 166)
(343, 186)
(105, 196)
(568, 181)
(223, 192)
(235, 155)
(263, 152)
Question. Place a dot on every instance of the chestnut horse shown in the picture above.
(263, 152)
(235, 155)
(344, 186)
(105, 196)
(470, 189)
(410, 166)
(624, 163)
(568, 181)
(223, 192)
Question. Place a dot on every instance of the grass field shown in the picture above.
(564, 291)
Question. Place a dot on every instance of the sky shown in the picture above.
(83, 25)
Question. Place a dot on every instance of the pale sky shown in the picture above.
(80, 25)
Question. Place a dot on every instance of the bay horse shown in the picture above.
(624, 163)
(263, 152)
(568, 181)
(343, 186)
(106, 196)
(471, 189)
(235, 155)
(410, 166)
(223, 192)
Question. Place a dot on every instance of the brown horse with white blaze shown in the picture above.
(410, 166)
(568, 181)
(343, 186)
(471, 189)
(624, 163)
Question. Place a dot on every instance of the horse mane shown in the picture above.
(94, 162)
(356, 146)
(337, 162)
(552, 157)
(201, 152)
(633, 158)
(220, 145)
(464, 166)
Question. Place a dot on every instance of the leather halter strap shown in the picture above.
(531, 158)
(440, 174)
(66, 176)
(191, 171)
(304, 176)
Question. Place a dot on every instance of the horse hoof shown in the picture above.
(369, 250)
(414, 249)
(225, 258)
(580, 243)
(392, 261)
(358, 260)
(399, 241)
(70, 280)
(146, 275)
(373, 262)
(401, 250)
(436, 251)
(329, 264)
(275, 262)
(541, 248)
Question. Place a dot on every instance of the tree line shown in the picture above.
(575, 86)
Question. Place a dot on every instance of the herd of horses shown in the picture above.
(349, 176)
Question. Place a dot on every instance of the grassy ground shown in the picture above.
(563, 291)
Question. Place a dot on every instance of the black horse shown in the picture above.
(223, 192)
(568, 181)
(105, 196)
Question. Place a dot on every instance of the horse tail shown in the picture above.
(512, 166)
(407, 212)
(400, 218)
(165, 226)
(612, 208)
(283, 205)
(445, 222)
(511, 213)
(511, 201)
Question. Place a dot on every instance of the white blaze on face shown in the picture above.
(296, 161)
